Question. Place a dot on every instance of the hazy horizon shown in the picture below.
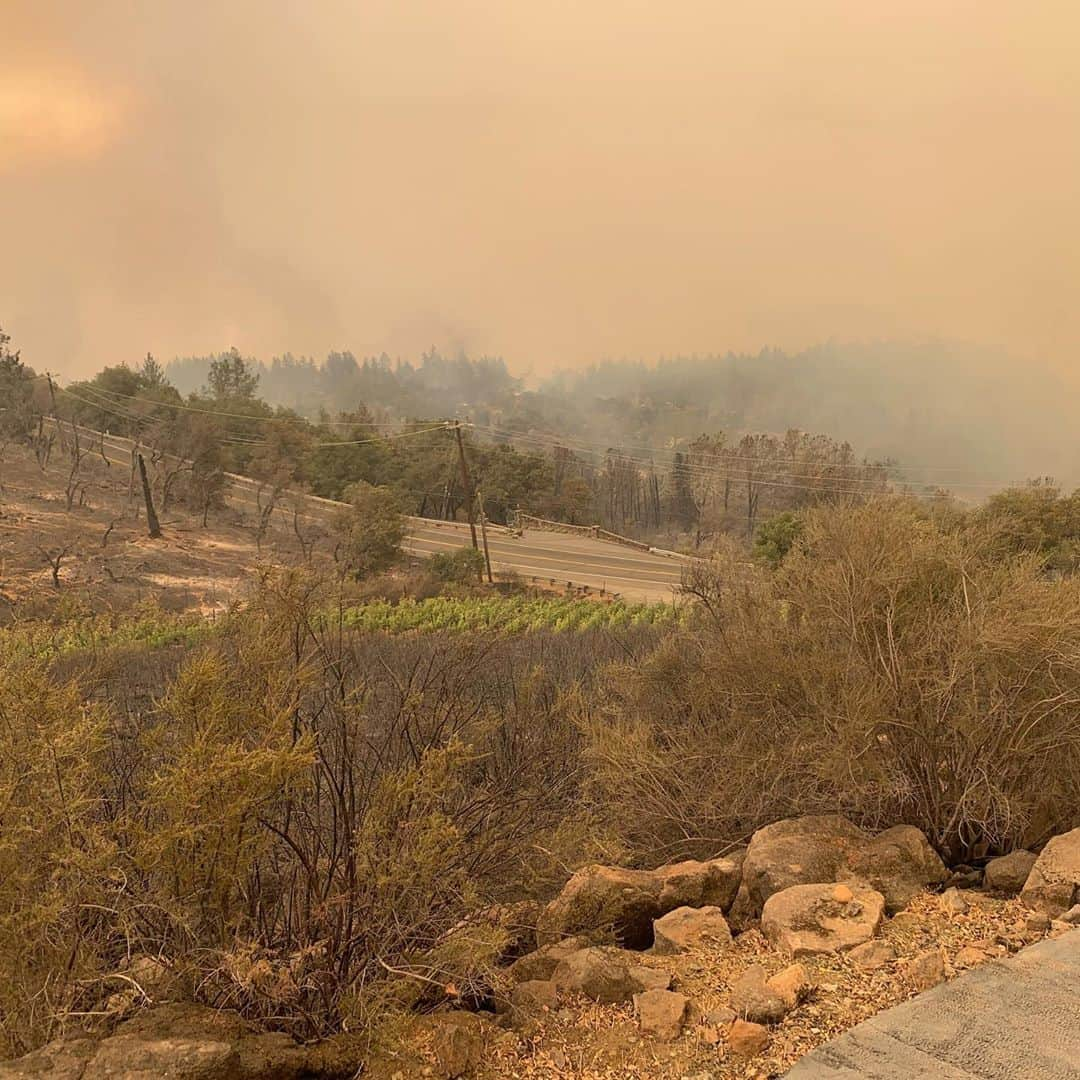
(555, 184)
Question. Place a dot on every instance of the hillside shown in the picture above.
(105, 556)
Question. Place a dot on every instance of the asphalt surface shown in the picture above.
(550, 558)
(1013, 1019)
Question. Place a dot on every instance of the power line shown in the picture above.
(243, 437)
(571, 442)
(736, 459)
(230, 415)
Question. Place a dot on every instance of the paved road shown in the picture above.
(548, 557)
(1014, 1019)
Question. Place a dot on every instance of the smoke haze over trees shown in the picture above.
(953, 416)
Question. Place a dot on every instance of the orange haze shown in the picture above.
(551, 181)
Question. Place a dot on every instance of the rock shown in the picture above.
(534, 996)
(925, 970)
(661, 1013)
(541, 964)
(607, 975)
(602, 898)
(62, 1059)
(842, 894)
(754, 1001)
(1008, 873)
(747, 1039)
(193, 1058)
(1053, 884)
(700, 884)
(954, 902)
(1037, 923)
(458, 1041)
(721, 1018)
(796, 851)
(872, 955)
(805, 919)
(899, 863)
(964, 877)
(1059, 927)
(969, 956)
(599, 898)
(182, 1041)
(1072, 916)
(792, 984)
(688, 928)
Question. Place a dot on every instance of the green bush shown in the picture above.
(462, 567)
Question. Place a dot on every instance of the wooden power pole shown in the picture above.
(151, 515)
(466, 480)
(483, 535)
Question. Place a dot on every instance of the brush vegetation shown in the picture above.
(296, 805)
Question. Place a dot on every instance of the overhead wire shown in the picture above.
(243, 437)
(701, 468)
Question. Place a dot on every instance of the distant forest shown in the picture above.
(681, 453)
(959, 417)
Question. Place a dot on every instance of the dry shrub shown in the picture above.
(293, 823)
(892, 668)
(54, 853)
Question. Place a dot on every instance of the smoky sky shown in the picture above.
(554, 182)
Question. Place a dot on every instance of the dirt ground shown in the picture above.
(582, 1040)
(106, 558)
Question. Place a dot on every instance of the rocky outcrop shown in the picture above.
(626, 902)
(188, 1042)
(687, 928)
(1053, 885)
(898, 863)
(610, 976)
(806, 920)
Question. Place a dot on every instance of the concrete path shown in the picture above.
(1013, 1019)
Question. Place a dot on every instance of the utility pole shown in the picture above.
(151, 517)
(483, 534)
(466, 481)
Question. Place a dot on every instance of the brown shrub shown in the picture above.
(893, 669)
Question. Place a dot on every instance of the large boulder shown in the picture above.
(688, 928)
(797, 851)
(899, 863)
(1008, 874)
(819, 849)
(806, 920)
(188, 1042)
(600, 899)
(610, 976)
(1053, 885)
